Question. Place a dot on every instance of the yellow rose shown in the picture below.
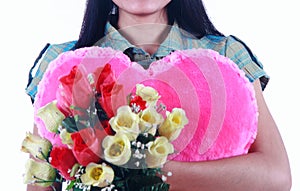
(37, 146)
(97, 175)
(147, 93)
(117, 148)
(126, 121)
(66, 137)
(39, 173)
(158, 152)
(173, 124)
(51, 116)
(150, 119)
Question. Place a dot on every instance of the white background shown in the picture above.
(270, 28)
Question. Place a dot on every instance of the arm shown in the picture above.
(39, 188)
(265, 168)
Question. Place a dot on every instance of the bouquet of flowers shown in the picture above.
(102, 150)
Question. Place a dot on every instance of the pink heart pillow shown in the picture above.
(218, 99)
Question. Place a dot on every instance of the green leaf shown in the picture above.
(70, 124)
(156, 187)
(145, 139)
(70, 186)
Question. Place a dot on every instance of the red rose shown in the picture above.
(63, 160)
(105, 86)
(74, 90)
(87, 145)
(106, 126)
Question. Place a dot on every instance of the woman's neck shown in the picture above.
(144, 31)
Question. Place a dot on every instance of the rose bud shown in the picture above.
(66, 137)
(148, 94)
(39, 173)
(37, 146)
(150, 119)
(97, 175)
(158, 152)
(126, 121)
(117, 149)
(63, 160)
(173, 124)
(87, 145)
(51, 116)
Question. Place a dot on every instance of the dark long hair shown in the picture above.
(190, 15)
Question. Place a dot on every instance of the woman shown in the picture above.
(144, 29)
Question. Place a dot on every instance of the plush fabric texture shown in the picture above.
(218, 99)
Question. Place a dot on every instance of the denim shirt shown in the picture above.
(229, 46)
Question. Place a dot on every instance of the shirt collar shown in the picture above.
(113, 39)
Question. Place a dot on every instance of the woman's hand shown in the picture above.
(56, 187)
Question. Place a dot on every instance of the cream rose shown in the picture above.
(37, 146)
(39, 173)
(173, 124)
(117, 148)
(158, 152)
(126, 121)
(150, 119)
(147, 93)
(66, 137)
(51, 116)
(97, 175)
